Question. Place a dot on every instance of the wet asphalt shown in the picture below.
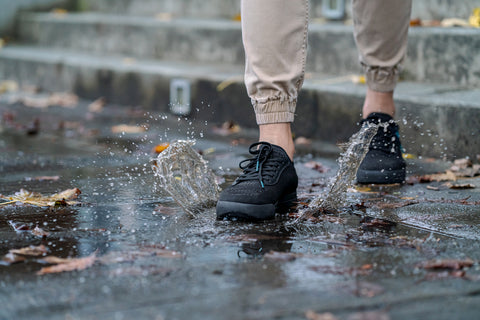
(394, 252)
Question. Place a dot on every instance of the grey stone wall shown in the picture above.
(10, 8)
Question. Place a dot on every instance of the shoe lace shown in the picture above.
(258, 167)
(386, 137)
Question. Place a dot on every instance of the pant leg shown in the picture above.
(275, 40)
(381, 28)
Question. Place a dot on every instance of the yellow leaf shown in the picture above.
(474, 19)
(358, 79)
(59, 12)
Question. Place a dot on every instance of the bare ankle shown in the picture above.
(378, 102)
(279, 134)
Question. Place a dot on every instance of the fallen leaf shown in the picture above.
(74, 264)
(97, 105)
(39, 232)
(452, 264)
(54, 260)
(317, 166)
(164, 16)
(433, 188)
(30, 251)
(302, 141)
(43, 178)
(129, 61)
(124, 128)
(340, 270)
(37, 199)
(460, 185)
(281, 256)
(445, 275)
(358, 79)
(227, 128)
(59, 11)
(160, 147)
(454, 22)
(312, 315)
(474, 19)
(415, 22)
(11, 258)
(369, 315)
(7, 85)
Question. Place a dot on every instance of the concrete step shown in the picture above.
(434, 54)
(436, 120)
(425, 9)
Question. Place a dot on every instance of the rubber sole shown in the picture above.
(380, 177)
(254, 212)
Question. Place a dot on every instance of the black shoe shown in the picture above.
(383, 163)
(268, 185)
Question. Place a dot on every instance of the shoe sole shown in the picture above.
(254, 212)
(379, 177)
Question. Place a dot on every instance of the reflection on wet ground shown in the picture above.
(154, 261)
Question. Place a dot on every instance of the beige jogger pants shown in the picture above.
(275, 40)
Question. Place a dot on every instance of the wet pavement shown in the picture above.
(396, 252)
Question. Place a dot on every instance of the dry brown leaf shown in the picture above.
(369, 315)
(97, 105)
(75, 264)
(302, 141)
(447, 176)
(164, 16)
(227, 128)
(11, 258)
(454, 22)
(161, 147)
(54, 260)
(30, 251)
(37, 199)
(124, 128)
(451, 264)
(43, 178)
(312, 315)
(317, 166)
(39, 232)
(281, 256)
(460, 185)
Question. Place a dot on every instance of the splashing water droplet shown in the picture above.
(185, 176)
(349, 161)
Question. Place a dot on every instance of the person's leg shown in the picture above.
(275, 41)
(381, 28)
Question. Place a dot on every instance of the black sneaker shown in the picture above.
(383, 163)
(268, 185)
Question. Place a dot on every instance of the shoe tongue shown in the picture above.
(378, 117)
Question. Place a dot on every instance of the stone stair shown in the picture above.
(129, 52)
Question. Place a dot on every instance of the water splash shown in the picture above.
(185, 176)
(349, 161)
